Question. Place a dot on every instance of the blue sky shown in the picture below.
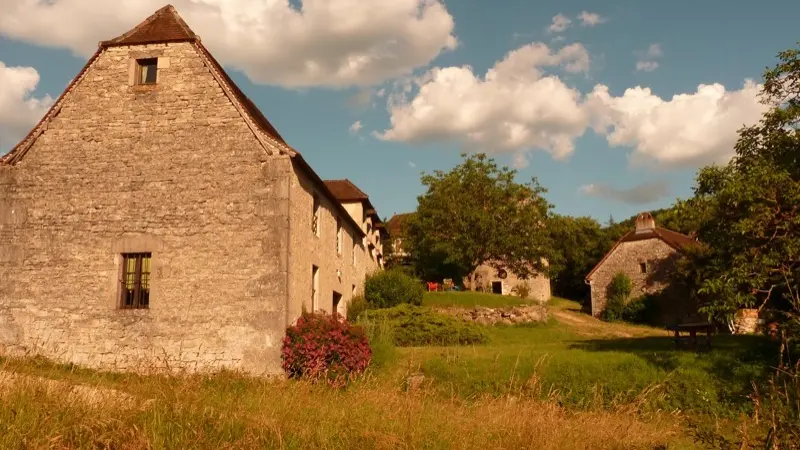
(627, 152)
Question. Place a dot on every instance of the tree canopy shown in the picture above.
(750, 208)
(476, 214)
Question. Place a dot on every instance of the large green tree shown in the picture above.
(753, 205)
(476, 214)
(578, 244)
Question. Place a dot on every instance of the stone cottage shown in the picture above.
(357, 203)
(487, 278)
(646, 254)
(154, 218)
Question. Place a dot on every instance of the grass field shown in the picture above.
(573, 382)
(470, 299)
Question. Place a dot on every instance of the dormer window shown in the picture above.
(146, 71)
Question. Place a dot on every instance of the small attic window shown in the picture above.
(146, 71)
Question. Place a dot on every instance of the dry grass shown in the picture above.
(231, 411)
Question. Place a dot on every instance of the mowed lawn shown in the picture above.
(573, 382)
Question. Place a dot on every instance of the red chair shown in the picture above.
(433, 286)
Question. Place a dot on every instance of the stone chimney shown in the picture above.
(645, 223)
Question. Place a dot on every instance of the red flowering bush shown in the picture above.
(321, 346)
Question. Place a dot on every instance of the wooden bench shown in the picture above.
(692, 329)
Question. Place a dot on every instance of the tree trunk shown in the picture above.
(472, 281)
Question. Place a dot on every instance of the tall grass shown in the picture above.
(232, 411)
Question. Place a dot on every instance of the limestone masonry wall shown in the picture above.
(658, 257)
(170, 169)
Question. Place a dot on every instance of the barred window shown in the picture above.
(135, 281)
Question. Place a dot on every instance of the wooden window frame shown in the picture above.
(136, 285)
(339, 236)
(140, 64)
(314, 288)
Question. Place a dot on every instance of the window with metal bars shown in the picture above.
(135, 282)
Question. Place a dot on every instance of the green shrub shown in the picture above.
(393, 287)
(356, 307)
(413, 326)
(617, 295)
(642, 310)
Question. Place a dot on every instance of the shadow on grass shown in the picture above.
(734, 363)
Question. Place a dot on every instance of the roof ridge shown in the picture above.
(166, 13)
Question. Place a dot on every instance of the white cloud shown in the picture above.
(19, 109)
(521, 160)
(685, 131)
(355, 127)
(589, 19)
(640, 194)
(646, 62)
(332, 43)
(513, 107)
(412, 164)
(646, 66)
(654, 51)
(559, 24)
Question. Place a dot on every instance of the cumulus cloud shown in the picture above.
(334, 43)
(646, 66)
(521, 160)
(589, 19)
(514, 107)
(19, 108)
(685, 131)
(559, 24)
(641, 194)
(647, 60)
(355, 127)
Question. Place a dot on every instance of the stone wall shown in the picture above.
(337, 272)
(170, 169)
(494, 316)
(487, 275)
(658, 257)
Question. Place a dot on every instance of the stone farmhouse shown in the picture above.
(487, 278)
(647, 254)
(154, 218)
(357, 203)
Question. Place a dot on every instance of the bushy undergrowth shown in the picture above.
(393, 287)
(617, 295)
(324, 347)
(413, 326)
(356, 307)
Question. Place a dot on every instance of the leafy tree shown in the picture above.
(478, 214)
(578, 244)
(754, 205)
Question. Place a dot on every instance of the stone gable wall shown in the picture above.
(658, 256)
(172, 170)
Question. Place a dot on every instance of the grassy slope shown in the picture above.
(611, 380)
(470, 299)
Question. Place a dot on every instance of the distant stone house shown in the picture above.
(154, 218)
(357, 203)
(487, 278)
(647, 255)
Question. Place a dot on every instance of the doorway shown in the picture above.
(497, 287)
(337, 299)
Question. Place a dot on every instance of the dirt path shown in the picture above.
(586, 325)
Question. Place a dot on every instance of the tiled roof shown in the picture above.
(345, 190)
(163, 26)
(674, 239)
(395, 224)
